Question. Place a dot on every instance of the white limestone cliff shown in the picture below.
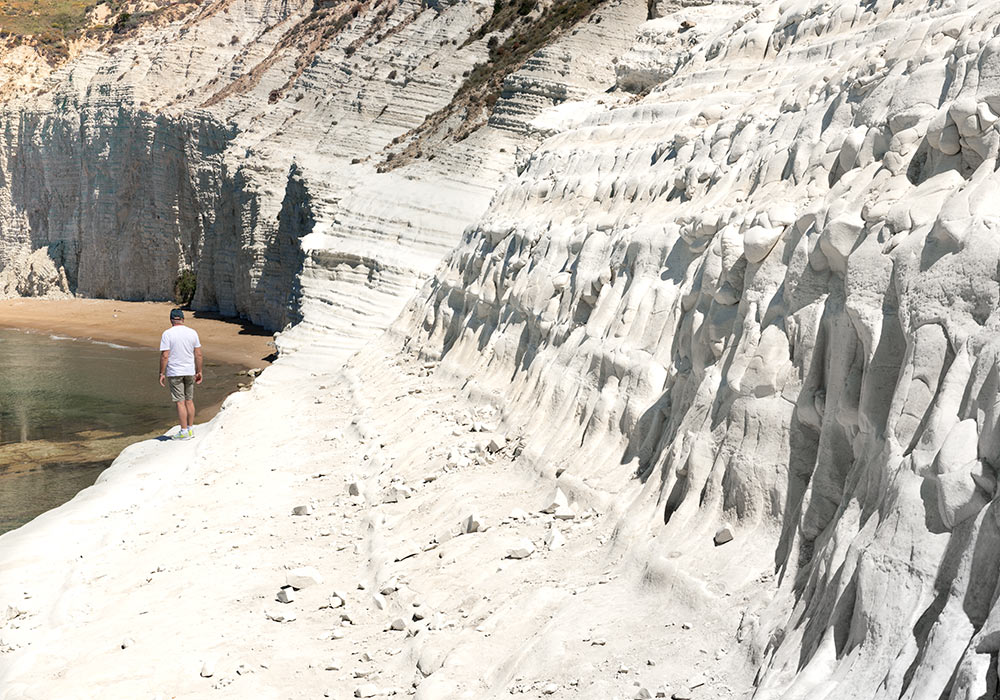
(752, 287)
(767, 292)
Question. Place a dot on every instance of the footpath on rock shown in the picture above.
(363, 533)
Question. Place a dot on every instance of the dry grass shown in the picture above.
(532, 26)
(50, 25)
(40, 17)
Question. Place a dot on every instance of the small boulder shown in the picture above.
(557, 501)
(302, 510)
(398, 625)
(353, 488)
(723, 534)
(303, 577)
(496, 443)
(522, 550)
(276, 616)
(472, 523)
(286, 594)
(554, 538)
(396, 493)
(564, 513)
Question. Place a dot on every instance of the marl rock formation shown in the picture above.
(735, 265)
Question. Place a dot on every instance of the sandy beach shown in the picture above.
(138, 324)
(230, 347)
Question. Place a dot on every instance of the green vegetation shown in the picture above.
(530, 25)
(528, 37)
(185, 287)
(43, 17)
(49, 25)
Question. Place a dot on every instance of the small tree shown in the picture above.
(185, 287)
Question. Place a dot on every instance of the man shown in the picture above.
(180, 367)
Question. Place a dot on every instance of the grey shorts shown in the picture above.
(181, 388)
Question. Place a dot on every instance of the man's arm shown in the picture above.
(164, 354)
(197, 365)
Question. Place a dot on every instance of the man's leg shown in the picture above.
(182, 414)
(189, 408)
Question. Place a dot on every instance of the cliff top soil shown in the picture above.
(138, 324)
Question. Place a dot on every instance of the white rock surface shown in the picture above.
(523, 549)
(756, 282)
(473, 523)
(303, 577)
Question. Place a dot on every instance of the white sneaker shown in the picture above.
(189, 434)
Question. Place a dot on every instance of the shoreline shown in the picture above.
(231, 349)
(138, 324)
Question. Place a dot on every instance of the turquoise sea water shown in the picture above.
(68, 407)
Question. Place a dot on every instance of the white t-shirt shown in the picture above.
(181, 342)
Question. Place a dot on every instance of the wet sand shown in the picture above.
(42, 471)
(139, 324)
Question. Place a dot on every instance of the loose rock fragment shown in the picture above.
(472, 523)
(396, 493)
(554, 538)
(496, 444)
(279, 616)
(354, 489)
(368, 690)
(286, 594)
(522, 550)
(303, 577)
(557, 501)
(564, 513)
(302, 510)
(207, 669)
(723, 535)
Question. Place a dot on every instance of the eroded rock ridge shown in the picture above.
(731, 269)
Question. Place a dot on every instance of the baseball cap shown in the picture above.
(176, 313)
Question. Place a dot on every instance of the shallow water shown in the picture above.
(68, 407)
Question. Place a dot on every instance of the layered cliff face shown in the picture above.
(221, 141)
(732, 265)
(765, 294)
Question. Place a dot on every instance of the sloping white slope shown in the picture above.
(767, 292)
(763, 294)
